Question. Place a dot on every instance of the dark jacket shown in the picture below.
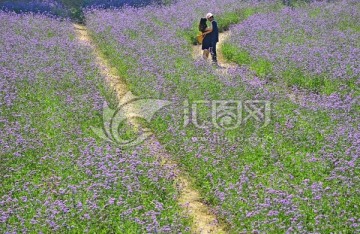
(215, 32)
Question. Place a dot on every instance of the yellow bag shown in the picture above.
(200, 38)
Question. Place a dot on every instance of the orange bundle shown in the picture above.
(200, 38)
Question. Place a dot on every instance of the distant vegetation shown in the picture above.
(73, 8)
(69, 8)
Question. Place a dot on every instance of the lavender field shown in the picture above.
(314, 47)
(56, 175)
(293, 168)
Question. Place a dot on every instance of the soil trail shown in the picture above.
(204, 221)
(223, 63)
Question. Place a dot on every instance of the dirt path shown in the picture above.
(224, 65)
(204, 220)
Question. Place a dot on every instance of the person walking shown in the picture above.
(213, 33)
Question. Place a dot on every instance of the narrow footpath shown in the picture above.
(204, 221)
(224, 65)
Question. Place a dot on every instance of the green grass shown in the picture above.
(260, 66)
(349, 24)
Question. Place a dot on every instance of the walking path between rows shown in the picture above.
(204, 219)
(223, 64)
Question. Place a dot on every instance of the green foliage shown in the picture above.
(108, 50)
(260, 66)
(235, 17)
(233, 53)
(320, 83)
(349, 24)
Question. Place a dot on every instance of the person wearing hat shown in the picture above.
(213, 33)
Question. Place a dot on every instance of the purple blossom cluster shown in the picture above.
(299, 174)
(56, 176)
(324, 128)
(33, 55)
(318, 40)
